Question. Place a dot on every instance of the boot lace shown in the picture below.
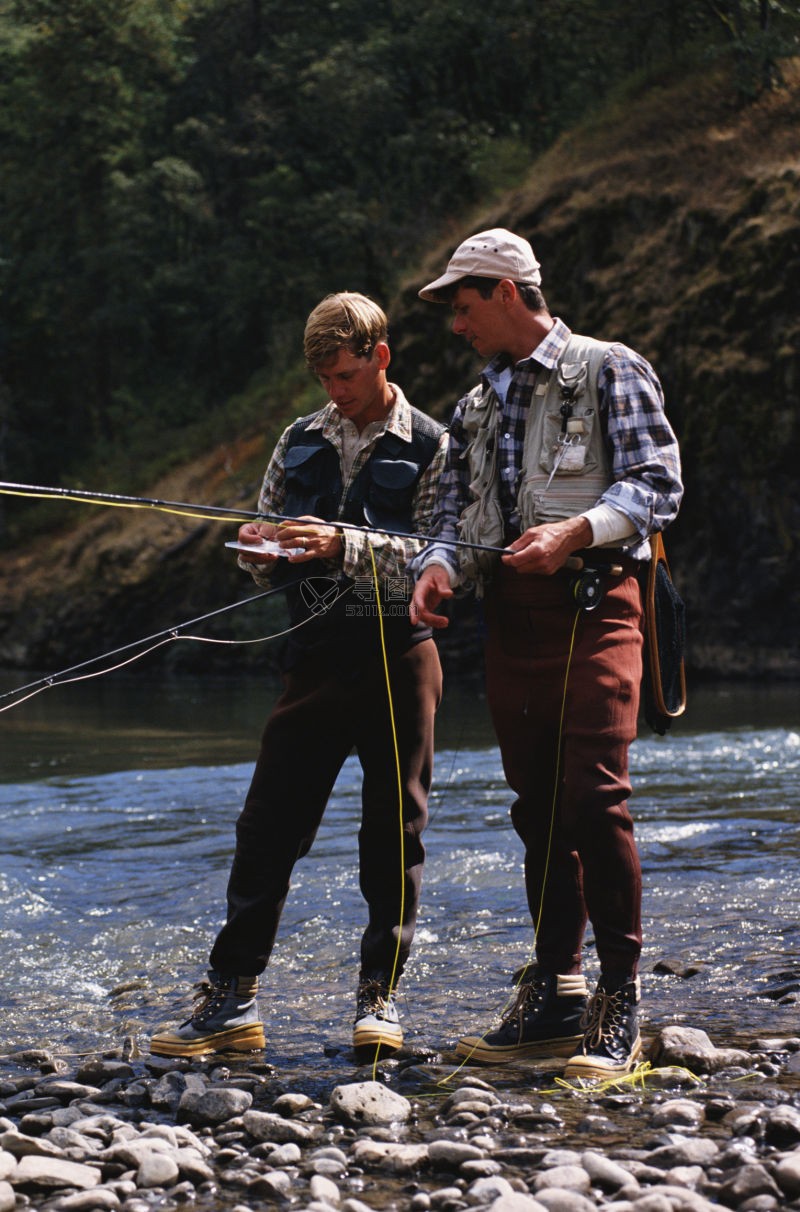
(373, 998)
(206, 1000)
(603, 1017)
(528, 996)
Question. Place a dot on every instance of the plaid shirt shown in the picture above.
(392, 551)
(645, 462)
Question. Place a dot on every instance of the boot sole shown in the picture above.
(372, 1038)
(238, 1039)
(475, 1049)
(586, 1066)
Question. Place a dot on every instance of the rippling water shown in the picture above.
(118, 804)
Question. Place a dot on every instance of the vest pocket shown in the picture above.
(573, 456)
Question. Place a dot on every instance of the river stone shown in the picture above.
(369, 1103)
(690, 1152)
(54, 1172)
(275, 1185)
(324, 1189)
(485, 1190)
(292, 1104)
(193, 1167)
(679, 1112)
(101, 1199)
(98, 1070)
(8, 1199)
(747, 1182)
(397, 1158)
(782, 1127)
(445, 1153)
(693, 1049)
(787, 1174)
(264, 1125)
(568, 1178)
(157, 1170)
(8, 1163)
(219, 1104)
(562, 1199)
(285, 1155)
(19, 1145)
(606, 1173)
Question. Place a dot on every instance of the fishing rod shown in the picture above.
(215, 512)
(169, 633)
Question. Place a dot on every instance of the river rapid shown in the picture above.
(118, 799)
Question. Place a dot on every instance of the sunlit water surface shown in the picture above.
(118, 804)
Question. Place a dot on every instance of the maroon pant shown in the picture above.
(322, 714)
(570, 776)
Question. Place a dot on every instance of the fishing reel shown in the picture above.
(587, 588)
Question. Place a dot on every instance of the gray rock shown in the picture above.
(444, 1154)
(324, 1189)
(690, 1152)
(748, 1181)
(264, 1125)
(782, 1127)
(8, 1163)
(605, 1173)
(386, 1155)
(157, 1170)
(50, 1172)
(285, 1155)
(19, 1145)
(679, 1112)
(562, 1199)
(485, 1190)
(275, 1185)
(101, 1199)
(368, 1103)
(218, 1105)
(567, 1178)
(787, 1174)
(693, 1049)
(292, 1104)
(8, 1199)
(516, 1202)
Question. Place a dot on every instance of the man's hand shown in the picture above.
(431, 588)
(254, 532)
(544, 549)
(319, 540)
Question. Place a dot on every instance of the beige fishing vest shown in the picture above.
(565, 465)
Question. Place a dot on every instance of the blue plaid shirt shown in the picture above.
(645, 461)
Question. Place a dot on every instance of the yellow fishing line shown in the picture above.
(399, 790)
(637, 1077)
(159, 508)
(557, 772)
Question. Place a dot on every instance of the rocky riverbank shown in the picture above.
(698, 1127)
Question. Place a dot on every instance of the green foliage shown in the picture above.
(180, 183)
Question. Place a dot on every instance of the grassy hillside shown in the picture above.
(671, 222)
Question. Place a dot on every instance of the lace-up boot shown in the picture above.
(611, 1043)
(376, 1024)
(224, 1019)
(544, 1020)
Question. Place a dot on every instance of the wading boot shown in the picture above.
(544, 1020)
(611, 1043)
(224, 1019)
(376, 1024)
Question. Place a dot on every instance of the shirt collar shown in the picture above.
(547, 353)
(398, 419)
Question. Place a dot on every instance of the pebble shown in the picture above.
(135, 1134)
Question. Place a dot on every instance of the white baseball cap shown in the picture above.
(490, 254)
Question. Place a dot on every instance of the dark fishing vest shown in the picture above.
(344, 622)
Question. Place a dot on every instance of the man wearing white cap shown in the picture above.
(563, 458)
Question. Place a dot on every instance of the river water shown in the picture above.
(117, 805)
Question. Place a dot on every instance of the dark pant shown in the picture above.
(322, 715)
(570, 776)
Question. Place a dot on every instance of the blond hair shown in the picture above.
(346, 320)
